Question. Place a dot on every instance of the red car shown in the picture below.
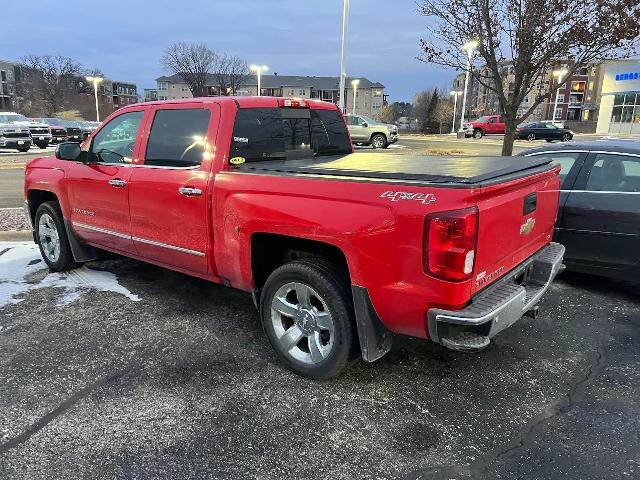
(487, 125)
(340, 250)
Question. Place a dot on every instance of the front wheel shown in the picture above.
(531, 137)
(307, 314)
(378, 141)
(566, 137)
(52, 238)
(42, 145)
(23, 149)
(478, 133)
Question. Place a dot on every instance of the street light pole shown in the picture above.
(455, 94)
(354, 84)
(259, 69)
(468, 47)
(95, 81)
(343, 55)
(559, 74)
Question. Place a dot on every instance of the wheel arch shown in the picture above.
(270, 250)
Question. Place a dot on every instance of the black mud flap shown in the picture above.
(81, 251)
(375, 338)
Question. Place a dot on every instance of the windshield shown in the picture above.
(13, 117)
(287, 133)
(484, 119)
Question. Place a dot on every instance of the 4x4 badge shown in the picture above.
(527, 227)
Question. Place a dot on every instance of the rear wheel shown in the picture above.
(307, 314)
(378, 141)
(52, 238)
(566, 137)
(531, 137)
(478, 133)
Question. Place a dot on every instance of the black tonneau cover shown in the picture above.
(403, 167)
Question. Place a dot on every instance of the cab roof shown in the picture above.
(616, 145)
(244, 102)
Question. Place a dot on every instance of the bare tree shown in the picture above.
(48, 82)
(231, 72)
(193, 62)
(531, 35)
(443, 113)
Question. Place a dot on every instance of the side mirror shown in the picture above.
(68, 151)
(365, 124)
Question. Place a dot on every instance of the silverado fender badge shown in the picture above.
(527, 227)
(236, 160)
(425, 198)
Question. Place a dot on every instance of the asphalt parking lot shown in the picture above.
(125, 370)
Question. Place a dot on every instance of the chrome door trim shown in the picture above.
(167, 246)
(161, 167)
(117, 182)
(138, 239)
(190, 191)
(102, 230)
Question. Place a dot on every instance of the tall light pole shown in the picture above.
(557, 73)
(95, 81)
(343, 54)
(455, 94)
(469, 48)
(259, 69)
(354, 84)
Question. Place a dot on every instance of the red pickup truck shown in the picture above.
(340, 250)
(486, 125)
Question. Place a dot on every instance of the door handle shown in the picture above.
(190, 191)
(116, 182)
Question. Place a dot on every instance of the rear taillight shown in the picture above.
(450, 240)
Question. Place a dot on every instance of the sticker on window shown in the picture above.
(236, 160)
(241, 139)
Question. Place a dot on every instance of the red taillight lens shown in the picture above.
(450, 240)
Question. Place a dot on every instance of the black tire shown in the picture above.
(566, 137)
(42, 145)
(64, 260)
(478, 133)
(378, 140)
(531, 137)
(24, 149)
(332, 286)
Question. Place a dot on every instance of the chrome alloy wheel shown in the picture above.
(378, 141)
(302, 323)
(49, 237)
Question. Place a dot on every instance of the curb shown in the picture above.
(16, 235)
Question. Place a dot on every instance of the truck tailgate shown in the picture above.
(516, 219)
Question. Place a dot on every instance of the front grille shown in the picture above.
(38, 130)
(74, 131)
(58, 132)
(17, 135)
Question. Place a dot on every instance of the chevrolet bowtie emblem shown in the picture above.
(527, 227)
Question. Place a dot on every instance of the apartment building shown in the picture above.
(124, 93)
(578, 98)
(369, 96)
(8, 100)
(150, 94)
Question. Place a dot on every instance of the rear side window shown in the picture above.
(178, 137)
(287, 133)
(565, 159)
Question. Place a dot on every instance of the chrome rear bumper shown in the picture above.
(498, 306)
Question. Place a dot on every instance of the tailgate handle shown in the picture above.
(530, 203)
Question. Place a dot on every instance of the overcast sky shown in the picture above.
(125, 39)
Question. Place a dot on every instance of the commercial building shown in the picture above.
(620, 98)
(369, 97)
(124, 93)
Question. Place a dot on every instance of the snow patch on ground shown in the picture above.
(21, 265)
(395, 145)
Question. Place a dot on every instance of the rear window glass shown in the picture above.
(177, 138)
(286, 133)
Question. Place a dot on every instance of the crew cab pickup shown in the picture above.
(339, 250)
(486, 125)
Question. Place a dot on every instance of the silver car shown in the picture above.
(366, 131)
